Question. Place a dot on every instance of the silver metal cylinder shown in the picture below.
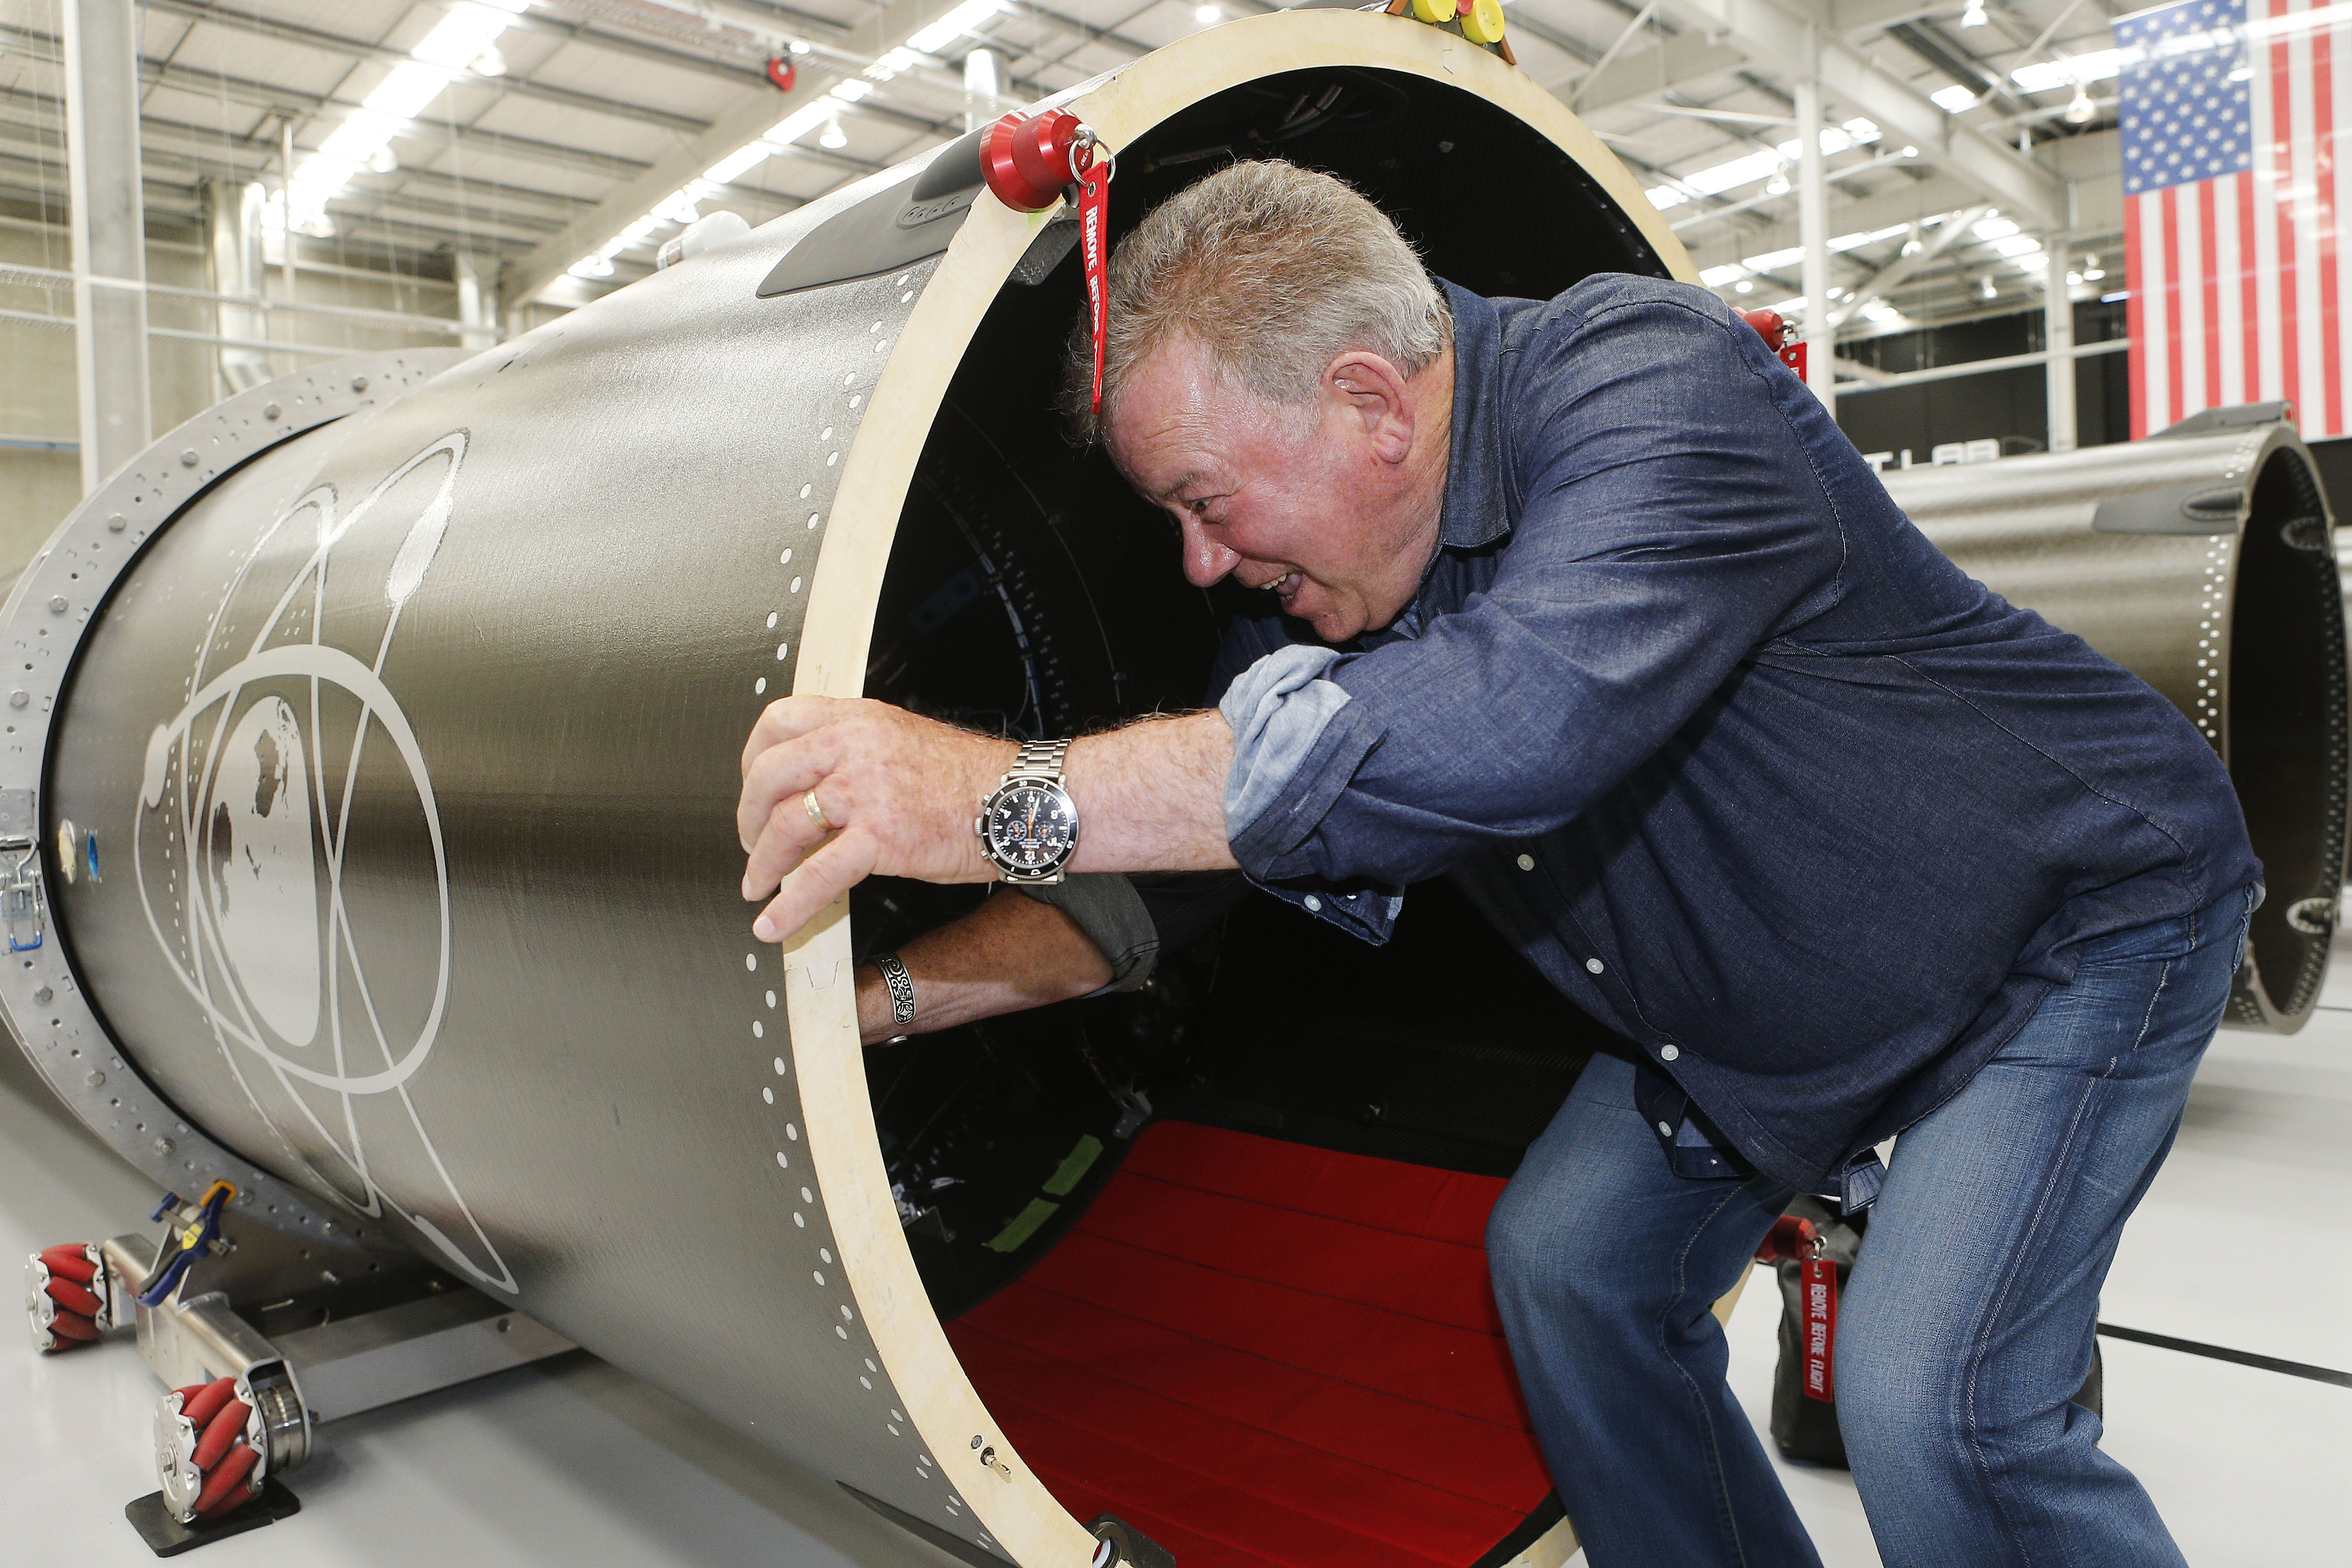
(378, 753)
(2202, 560)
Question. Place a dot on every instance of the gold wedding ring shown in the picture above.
(817, 815)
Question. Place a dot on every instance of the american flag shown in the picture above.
(2233, 207)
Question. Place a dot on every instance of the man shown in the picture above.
(1589, 604)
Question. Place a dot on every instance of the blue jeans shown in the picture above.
(1965, 1331)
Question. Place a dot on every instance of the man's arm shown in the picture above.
(1010, 954)
(901, 792)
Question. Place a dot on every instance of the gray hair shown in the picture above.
(1273, 270)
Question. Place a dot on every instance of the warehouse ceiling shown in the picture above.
(563, 140)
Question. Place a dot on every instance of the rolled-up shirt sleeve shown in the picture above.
(1664, 535)
(1110, 913)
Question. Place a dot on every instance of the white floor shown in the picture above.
(568, 1465)
(2245, 1242)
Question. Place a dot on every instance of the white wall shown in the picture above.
(38, 489)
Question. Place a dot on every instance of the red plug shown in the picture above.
(1025, 158)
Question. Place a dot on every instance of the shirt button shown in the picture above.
(1593, 964)
(1526, 862)
(1668, 1053)
(1664, 1131)
(1313, 903)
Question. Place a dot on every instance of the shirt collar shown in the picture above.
(1475, 510)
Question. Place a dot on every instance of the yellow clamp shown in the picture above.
(1482, 20)
(189, 1237)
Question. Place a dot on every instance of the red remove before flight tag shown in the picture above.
(1094, 217)
(1820, 1293)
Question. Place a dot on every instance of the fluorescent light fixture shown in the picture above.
(896, 61)
(2048, 76)
(683, 206)
(1716, 277)
(1974, 16)
(1880, 310)
(1743, 286)
(799, 122)
(1773, 260)
(1954, 100)
(678, 207)
(738, 163)
(1751, 167)
(956, 23)
(463, 38)
(1857, 240)
(1207, 15)
(1993, 227)
(403, 94)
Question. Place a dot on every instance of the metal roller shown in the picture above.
(368, 783)
(2203, 560)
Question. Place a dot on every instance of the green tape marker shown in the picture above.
(1080, 1160)
(1025, 1226)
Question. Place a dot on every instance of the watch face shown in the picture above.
(1031, 826)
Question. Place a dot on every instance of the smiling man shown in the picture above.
(1588, 605)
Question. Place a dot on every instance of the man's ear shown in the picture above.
(1370, 391)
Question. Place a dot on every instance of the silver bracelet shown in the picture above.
(902, 985)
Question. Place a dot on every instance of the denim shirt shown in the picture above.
(1751, 771)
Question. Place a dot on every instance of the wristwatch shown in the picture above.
(1028, 826)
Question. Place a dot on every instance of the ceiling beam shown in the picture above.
(360, 49)
(1684, 59)
(275, 99)
(2089, 163)
(1793, 45)
(165, 194)
(1927, 41)
(250, 157)
(1895, 272)
(1857, 19)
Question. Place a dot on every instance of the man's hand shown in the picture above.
(901, 794)
(900, 790)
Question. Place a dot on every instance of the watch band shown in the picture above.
(902, 985)
(1041, 759)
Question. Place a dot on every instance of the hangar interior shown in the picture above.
(1206, 1257)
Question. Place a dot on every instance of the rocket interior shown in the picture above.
(1260, 1331)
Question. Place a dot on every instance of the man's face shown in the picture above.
(1324, 504)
